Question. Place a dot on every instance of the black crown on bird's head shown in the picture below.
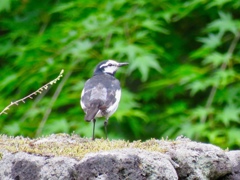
(108, 67)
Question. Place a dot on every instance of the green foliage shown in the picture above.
(183, 76)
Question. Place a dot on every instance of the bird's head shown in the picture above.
(108, 67)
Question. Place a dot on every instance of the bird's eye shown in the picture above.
(110, 64)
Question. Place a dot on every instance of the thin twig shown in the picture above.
(223, 67)
(30, 96)
(34, 104)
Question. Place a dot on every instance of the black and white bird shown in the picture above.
(101, 94)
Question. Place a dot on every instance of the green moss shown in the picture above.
(71, 146)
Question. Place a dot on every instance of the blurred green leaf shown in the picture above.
(143, 64)
(154, 25)
(197, 86)
(225, 76)
(229, 113)
(212, 41)
(215, 59)
(224, 23)
(63, 7)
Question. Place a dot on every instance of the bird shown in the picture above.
(101, 93)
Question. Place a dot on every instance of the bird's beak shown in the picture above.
(122, 64)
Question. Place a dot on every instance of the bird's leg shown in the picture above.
(93, 135)
(105, 126)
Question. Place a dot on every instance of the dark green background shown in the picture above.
(183, 76)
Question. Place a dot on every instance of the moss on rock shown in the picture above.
(70, 145)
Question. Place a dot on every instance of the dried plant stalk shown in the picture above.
(30, 96)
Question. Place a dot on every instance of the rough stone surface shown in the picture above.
(197, 160)
(23, 166)
(119, 164)
(127, 164)
(20, 166)
(234, 157)
(182, 159)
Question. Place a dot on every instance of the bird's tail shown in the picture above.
(91, 112)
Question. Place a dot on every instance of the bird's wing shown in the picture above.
(99, 94)
(94, 98)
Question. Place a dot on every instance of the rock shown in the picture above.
(20, 166)
(57, 157)
(126, 164)
(234, 157)
(24, 166)
(119, 164)
(197, 160)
